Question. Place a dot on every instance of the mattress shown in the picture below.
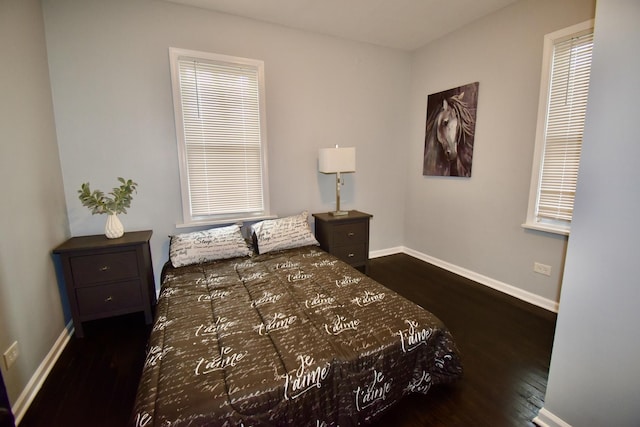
(294, 337)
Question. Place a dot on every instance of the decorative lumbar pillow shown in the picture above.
(208, 245)
(283, 233)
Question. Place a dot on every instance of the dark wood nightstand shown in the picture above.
(346, 237)
(108, 277)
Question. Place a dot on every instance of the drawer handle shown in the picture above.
(351, 255)
(104, 268)
(108, 299)
(351, 234)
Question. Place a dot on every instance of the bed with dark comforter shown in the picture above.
(293, 337)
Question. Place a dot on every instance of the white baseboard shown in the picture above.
(385, 252)
(523, 295)
(19, 408)
(548, 419)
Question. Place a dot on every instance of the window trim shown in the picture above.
(187, 219)
(532, 222)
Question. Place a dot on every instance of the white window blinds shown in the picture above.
(566, 111)
(564, 87)
(220, 133)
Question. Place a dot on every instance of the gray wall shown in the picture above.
(114, 104)
(33, 216)
(114, 114)
(475, 223)
(594, 378)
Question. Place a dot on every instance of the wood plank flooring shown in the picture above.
(94, 381)
(505, 346)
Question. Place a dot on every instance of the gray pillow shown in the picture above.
(207, 245)
(283, 233)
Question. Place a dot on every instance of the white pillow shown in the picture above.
(208, 245)
(283, 233)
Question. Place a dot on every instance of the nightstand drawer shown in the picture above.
(350, 233)
(351, 254)
(107, 267)
(95, 300)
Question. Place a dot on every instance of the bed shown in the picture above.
(285, 334)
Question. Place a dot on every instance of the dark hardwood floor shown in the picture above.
(505, 346)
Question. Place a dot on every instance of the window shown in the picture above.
(561, 114)
(220, 129)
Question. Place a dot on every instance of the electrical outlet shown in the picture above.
(11, 355)
(542, 268)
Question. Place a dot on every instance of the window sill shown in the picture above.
(238, 221)
(547, 228)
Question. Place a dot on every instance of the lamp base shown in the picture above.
(339, 213)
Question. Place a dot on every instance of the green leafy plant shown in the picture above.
(117, 203)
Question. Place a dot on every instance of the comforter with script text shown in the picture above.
(294, 337)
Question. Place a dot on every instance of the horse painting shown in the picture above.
(450, 128)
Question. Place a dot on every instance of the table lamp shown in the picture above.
(337, 160)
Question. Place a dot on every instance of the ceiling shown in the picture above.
(400, 24)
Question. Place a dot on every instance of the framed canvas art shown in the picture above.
(450, 131)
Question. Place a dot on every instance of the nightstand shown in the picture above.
(346, 237)
(108, 277)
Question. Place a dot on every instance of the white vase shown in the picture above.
(114, 228)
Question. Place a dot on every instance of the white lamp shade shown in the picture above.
(333, 160)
